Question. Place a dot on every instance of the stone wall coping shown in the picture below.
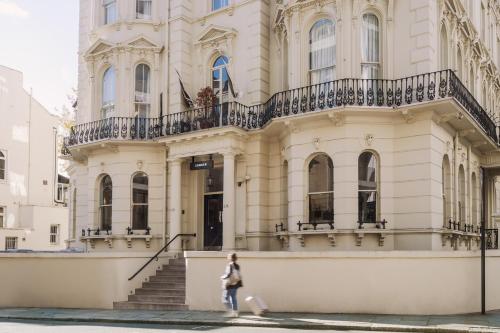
(343, 254)
(86, 255)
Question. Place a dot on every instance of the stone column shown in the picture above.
(175, 203)
(229, 212)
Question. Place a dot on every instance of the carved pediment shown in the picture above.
(215, 33)
(142, 42)
(99, 46)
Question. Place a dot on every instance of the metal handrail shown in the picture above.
(158, 253)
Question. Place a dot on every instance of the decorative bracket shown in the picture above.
(301, 240)
(359, 238)
(331, 238)
(285, 241)
(408, 116)
(381, 239)
(109, 241)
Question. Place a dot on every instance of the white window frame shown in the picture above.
(11, 243)
(108, 107)
(62, 192)
(333, 67)
(310, 194)
(364, 62)
(376, 191)
(137, 204)
(145, 100)
(54, 234)
(143, 16)
(3, 217)
(106, 4)
(4, 159)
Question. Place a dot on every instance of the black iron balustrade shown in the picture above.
(491, 239)
(378, 224)
(97, 232)
(367, 93)
(280, 227)
(315, 224)
(115, 128)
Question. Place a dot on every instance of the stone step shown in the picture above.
(148, 306)
(159, 292)
(171, 273)
(157, 299)
(164, 285)
(163, 278)
(175, 268)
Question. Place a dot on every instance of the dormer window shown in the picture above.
(143, 9)
(218, 4)
(109, 11)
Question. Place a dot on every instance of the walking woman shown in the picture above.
(231, 281)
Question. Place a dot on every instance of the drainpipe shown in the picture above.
(483, 244)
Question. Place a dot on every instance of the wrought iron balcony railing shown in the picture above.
(365, 93)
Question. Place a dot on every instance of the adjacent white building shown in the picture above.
(33, 213)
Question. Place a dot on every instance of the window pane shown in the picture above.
(367, 168)
(214, 180)
(2, 164)
(1, 154)
(106, 217)
(218, 4)
(143, 9)
(108, 87)
(370, 41)
(109, 12)
(321, 174)
(2, 174)
(322, 48)
(106, 191)
(140, 217)
(320, 207)
(1, 222)
(140, 189)
(367, 206)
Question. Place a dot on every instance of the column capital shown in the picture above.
(174, 160)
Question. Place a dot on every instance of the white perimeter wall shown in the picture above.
(350, 282)
(70, 280)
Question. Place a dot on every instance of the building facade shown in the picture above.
(329, 125)
(33, 215)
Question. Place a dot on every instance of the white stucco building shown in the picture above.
(366, 121)
(33, 215)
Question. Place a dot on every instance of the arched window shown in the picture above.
(2, 166)
(108, 93)
(367, 187)
(370, 47)
(474, 199)
(142, 91)
(140, 201)
(459, 63)
(461, 196)
(220, 79)
(446, 190)
(444, 48)
(321, 189)
(322, 58)
(105, 202)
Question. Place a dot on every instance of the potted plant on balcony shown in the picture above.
(205, 101)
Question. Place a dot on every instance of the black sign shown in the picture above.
(200, 165)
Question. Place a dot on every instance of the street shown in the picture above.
(7, 326)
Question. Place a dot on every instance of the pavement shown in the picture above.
(303, 321)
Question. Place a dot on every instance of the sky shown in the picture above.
(40, 38)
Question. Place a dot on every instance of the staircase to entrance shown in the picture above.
(166, 290)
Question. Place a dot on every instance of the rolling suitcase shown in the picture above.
(257, 305)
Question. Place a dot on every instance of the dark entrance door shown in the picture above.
(212, 239)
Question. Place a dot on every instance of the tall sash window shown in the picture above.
(142, 91)
(367, 187)
(143, 9)
(105, 203)
(140, 201)
(108, 93)
(370, 47)
(321, 189)
(322, 58)
(109, 7)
